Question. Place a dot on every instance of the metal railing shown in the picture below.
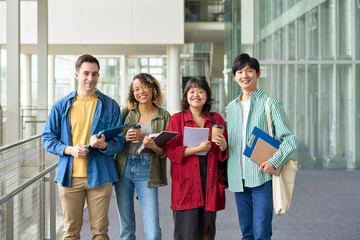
(28, 203)
(32, 121)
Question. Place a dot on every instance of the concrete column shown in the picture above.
(42, 49)
(124, 86)
(51, 80)
(0, 77)
(137, 66)
(166, 94)
(222, 96)
(174, 90)
(247, 26)
(73, 82)
(13, 101)
(1, 112)
(13, 71)
(27, 80)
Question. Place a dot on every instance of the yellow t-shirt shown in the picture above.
(81, 116)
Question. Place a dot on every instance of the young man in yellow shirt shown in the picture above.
(84, 173)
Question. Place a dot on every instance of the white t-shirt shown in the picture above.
(245, 107)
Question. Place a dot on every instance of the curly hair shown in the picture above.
(150, 82)
(200, 83)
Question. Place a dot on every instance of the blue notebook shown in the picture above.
(109, 133)
(261, 147)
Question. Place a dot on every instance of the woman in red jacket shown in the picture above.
(197, 187)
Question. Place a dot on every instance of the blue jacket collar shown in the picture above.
(72, 95)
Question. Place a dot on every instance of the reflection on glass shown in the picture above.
(308, 60)
(204, 11)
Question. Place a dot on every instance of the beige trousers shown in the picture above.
(73, 200)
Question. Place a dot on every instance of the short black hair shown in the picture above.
(200, 83)
(86, 58)
(243, 59)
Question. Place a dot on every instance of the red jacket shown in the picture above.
(186, 190)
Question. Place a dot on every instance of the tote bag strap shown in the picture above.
(268, 118)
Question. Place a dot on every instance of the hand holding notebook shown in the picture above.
(160, 139)
(193, 137)
(261, 147)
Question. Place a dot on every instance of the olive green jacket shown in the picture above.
(157, 174)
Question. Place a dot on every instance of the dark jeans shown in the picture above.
(255, 211)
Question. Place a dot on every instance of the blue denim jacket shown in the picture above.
(57, 135)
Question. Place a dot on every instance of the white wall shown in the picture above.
(2, 22)
(103, 22)
(28, 22)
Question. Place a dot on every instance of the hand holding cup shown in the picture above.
(133, 134)
(218, 137)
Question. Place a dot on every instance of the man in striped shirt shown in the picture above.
(252, 183)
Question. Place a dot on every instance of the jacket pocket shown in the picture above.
(105, 119)
(220, 197)
(181, 193)
(104, 123)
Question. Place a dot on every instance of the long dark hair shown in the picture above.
(200, 83)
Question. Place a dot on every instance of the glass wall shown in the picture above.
(311, 58)
(204, 11)
(232, 45)
(2, 76)
(195, 61)
(195, 58)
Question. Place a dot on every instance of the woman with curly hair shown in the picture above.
(197, 190)
(142, 172)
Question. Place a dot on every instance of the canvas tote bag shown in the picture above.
(283, 184)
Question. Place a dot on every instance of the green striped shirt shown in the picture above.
(257, 117)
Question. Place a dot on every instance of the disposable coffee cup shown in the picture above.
(137, 129)
(216, 129)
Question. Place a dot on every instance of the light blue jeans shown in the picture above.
(136, 175)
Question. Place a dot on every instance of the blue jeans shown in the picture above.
(255, 211)
(136, 175)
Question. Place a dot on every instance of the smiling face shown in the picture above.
(88, 76)
(196, 97)
(142, 93)
(246, 78)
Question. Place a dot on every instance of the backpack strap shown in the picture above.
(124, 116)
(212, 118)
